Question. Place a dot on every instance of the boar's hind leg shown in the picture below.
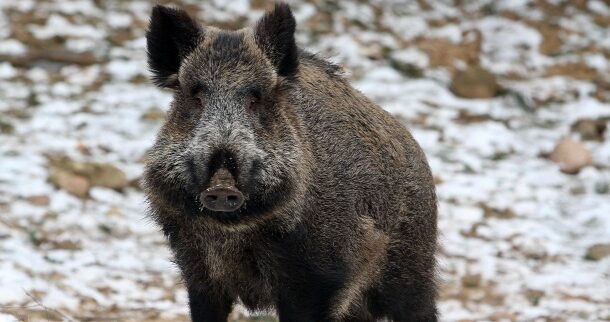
(208, 308)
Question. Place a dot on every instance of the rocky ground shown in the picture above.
(509, 99)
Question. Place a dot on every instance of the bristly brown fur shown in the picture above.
(339, 222)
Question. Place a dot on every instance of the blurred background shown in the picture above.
(509, 99)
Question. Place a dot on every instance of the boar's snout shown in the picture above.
(225, 199)
(222, 195)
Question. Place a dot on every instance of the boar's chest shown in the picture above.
(245, 271)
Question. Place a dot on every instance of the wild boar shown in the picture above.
(279, 185)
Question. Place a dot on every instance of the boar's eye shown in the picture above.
(254, 99)
(201, 100)
(198, 91)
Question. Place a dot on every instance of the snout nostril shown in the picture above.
(210, 198)
(222, 198)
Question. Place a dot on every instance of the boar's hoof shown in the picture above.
(222, 198)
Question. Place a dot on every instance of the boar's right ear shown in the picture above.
(171, 36)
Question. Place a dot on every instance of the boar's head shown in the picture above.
(230, 147)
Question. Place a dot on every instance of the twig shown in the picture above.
(48, 309)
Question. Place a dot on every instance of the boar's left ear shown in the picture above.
(274, 34)
(171, 36)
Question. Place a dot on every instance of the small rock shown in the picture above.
(590, 129)
(105, 229)
(534, 296)
(374, 51)
(98, 174)
(445, 53)
(107, 175)
(577, 70)
(492, 212)
(580, 4)
(66, 244)
(465, 117)
(578, 190)
(153, 114)
(531, 248)
(598, 252)
(83, 148)
(471, 280)
(571, 156)
(114, 212)
(475, 82)
(503, 317)
(120, 36)
(6, 127)
(34, 238)
(551, 36)
(136, 183)
(62, 56)
(438, 180)
(39, 200)
(74, 184)
(406, 69)
(602, 187)
(258, 5)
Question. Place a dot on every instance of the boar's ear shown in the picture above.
(274, 34)
(171, 36)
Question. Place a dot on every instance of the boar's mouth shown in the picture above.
(222, 195)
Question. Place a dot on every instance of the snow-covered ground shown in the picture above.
(517, 233)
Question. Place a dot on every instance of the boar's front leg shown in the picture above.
(207, 306)
(306, 299)
(292, 310)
